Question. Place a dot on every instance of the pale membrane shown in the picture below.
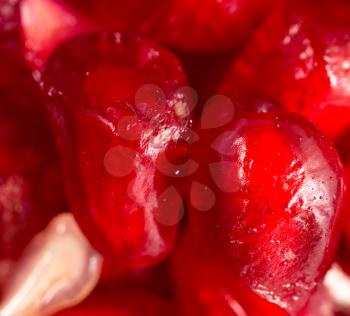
(58, 269)
(337, 282)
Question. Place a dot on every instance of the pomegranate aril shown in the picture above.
(30, 184)
(300, 58)
(101, 87)
(275, 223)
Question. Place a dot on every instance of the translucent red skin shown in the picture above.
(206, 26)
(202, 292)
(299, 58)
(86, 110)
(31, 190)
(123, 302)
(256, 230)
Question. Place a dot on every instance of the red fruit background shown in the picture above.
(203, 148)
(124, 302)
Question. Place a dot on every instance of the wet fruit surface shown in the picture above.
(209, 189)
(300, 57)
(30, 183)
(273, 219)
(119, 111)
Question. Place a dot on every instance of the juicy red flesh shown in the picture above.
(274, 221)
(264, 208)
(206, 26)
(300, 58)
(116, 109)
(123, 302)
(201, 293)
(30, 184)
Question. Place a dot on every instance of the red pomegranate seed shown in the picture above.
(301, 58)
(273, 218)
(118, 107)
